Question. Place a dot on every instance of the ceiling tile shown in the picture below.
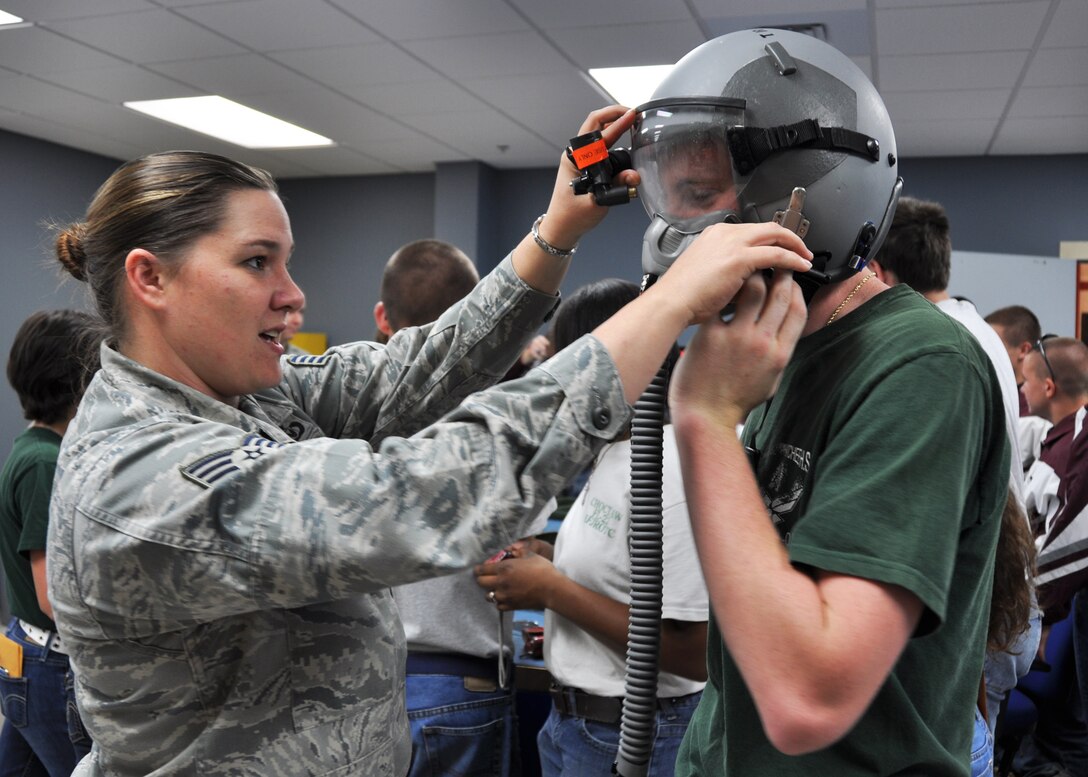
(326, 113)
(715, 8)
(38, 50)
(979, 70)
(335, 160)
(553, 105)
(409, 150)
(74, 137)
(930, 3)
(1058, 67)
(631, 44)
(1051, 135)
(119, 84)
(947, 105)
(1058, 101)
(553, 92)
(416, 19)
(234, 76)
(571, 14)
(270, 25)
(370, 63)
(148, 36)
(438, 95)
(943, 138)
(951, 29)
(479, 135)
(519, 53)
(184, 3)
(49, 10)
(1069, 25)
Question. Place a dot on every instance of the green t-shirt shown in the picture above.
(26, 483)
(882, 456)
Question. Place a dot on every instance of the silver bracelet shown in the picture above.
(545, 245)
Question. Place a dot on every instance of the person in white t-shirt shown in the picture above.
(584, 582)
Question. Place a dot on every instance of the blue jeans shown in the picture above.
(458, 732)
(577, 747)
(1003, 670)
(35, 740)
(982, 748)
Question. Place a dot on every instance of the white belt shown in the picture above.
(42, 638)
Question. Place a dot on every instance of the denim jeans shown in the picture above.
(577, 747)
(982, 748)
(35, 740)
(1003, 670)
(457, 732)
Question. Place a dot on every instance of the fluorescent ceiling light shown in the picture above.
(227, 120)
(7, 18)
(630, 86)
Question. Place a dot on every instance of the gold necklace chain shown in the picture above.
(849, 296)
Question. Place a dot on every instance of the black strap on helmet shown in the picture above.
(750, 146)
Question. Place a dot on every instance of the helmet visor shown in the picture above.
(681, 151)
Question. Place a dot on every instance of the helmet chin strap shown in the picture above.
(811, 282)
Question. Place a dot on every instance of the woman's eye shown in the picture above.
(257, 262)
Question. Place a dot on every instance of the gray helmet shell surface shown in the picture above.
(784, 78)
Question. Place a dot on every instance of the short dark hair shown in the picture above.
(918, 248)
(52, 360)
(424, 278)
(1068, 358)
(1019, 323)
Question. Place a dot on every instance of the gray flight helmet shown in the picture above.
(744, 121)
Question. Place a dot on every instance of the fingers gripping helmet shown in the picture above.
(744, 120)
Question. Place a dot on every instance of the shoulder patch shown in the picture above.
(308, 360)
(206, 470)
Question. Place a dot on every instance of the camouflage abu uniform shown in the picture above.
(223, 590)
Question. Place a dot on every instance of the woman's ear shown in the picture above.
(145, 276)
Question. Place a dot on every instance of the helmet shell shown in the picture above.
(785, 77)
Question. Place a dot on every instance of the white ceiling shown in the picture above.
(403, 84)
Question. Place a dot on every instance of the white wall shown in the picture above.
(1045, 285)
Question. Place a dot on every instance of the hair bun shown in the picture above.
(70, 251)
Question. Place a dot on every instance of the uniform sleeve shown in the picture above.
(366, 391)
(889, 501)
(273, 525)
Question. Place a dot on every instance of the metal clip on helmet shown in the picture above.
(744, 120)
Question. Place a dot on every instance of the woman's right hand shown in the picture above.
(569, 215)
(711, 271)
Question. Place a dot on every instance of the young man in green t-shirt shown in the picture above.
(52, 358)
(849, 629)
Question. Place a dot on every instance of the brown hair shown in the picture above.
(422, 279)
(161, 203)
(1014, 571)
(918, 248)
(1019, 323)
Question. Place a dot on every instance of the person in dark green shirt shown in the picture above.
(849, 551)
(52, 358)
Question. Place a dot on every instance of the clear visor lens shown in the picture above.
(682, 154)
